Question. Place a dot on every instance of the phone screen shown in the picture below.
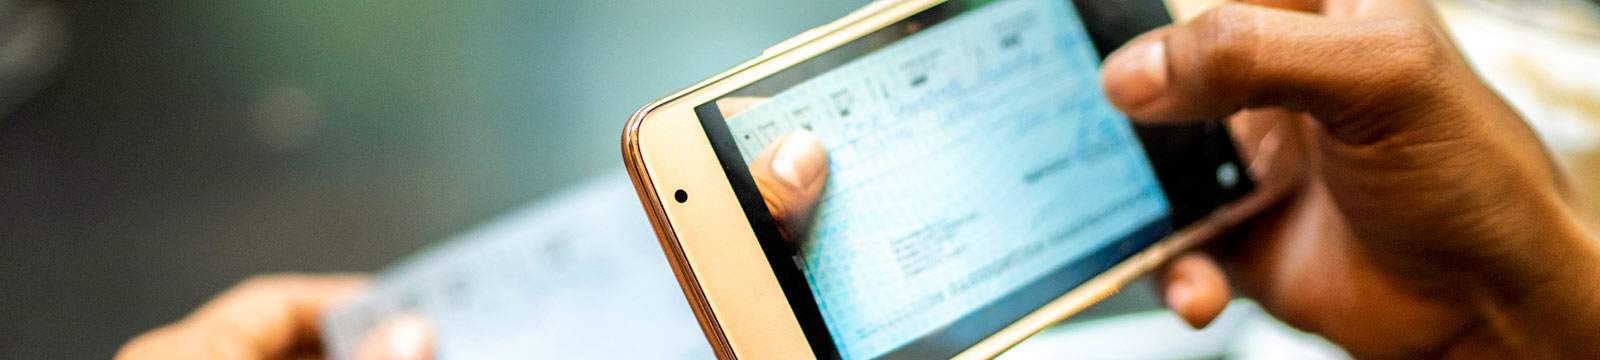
(976, 173)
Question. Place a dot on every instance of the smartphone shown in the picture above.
(980, 185)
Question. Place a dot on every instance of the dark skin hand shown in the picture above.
(277, 316)
(1422, 217)
(1429, 220)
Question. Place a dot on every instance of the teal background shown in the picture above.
(184, 145)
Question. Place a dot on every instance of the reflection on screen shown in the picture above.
(968, 161)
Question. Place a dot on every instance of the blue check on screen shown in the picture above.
(968, 161)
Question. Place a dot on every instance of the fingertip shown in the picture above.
(1136, 75)
(1177, 296)
(791, 173)
(800, 160)
(1195, 289)
(406, 336)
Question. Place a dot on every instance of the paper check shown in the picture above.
(578, 275)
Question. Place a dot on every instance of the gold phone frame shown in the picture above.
(716, 255)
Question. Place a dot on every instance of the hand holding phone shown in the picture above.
(1431, 223)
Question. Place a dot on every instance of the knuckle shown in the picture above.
(1230, 33)
(1408, 59)
(1401, 66)
(1413, 47)
(1226, 42)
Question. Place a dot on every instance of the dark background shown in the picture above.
(181, 146)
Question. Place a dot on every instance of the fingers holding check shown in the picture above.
(276, 317)
(265, 317)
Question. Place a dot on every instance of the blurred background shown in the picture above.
(152, 153)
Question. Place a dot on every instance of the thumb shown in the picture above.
(1348, 73)
(407, 336)
(790, 174)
